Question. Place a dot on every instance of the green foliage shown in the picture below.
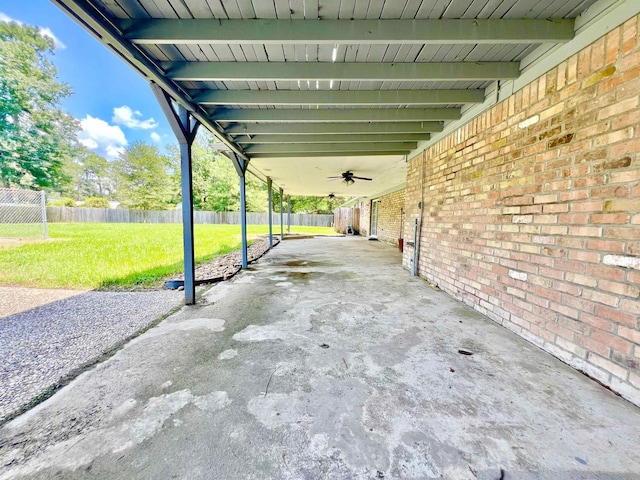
(215, 181)
(96, 202)
(145, 178)
(88, 175)
(318, 205)
(35, 135)
(63, 202)
(120, 255)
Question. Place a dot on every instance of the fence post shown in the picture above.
(43, 201)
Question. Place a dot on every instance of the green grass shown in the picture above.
(21, 230)
(117, 255)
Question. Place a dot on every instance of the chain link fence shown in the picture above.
(23, 213)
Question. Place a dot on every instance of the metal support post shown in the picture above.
(241, 165)
(184, 127)
(187, 222)
(288, 213)
(281, 217)
(270, 198)
(243, 220)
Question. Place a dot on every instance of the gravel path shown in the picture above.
(20, 299)
(40, 346)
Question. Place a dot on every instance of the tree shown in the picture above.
(300, 204)
(35, 135)
(88, 175)
(145, 178)
(96, 202)
(215, 181)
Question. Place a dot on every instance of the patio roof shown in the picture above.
(306, 89)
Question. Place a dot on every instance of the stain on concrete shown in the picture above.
(211, 324)
(125, 430)
(228, 354)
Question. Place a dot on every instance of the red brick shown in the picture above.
(625, 148)
(574, 218)
(612, 46)
(610, 218)
(609, 192)
(619, 288)
(601, 297)
(594, 346)
(630, 306)
(619, 315)
(603, 271)
(599, 323)
(609, 246)
(622, 233)
(631, 334)
(611, 341)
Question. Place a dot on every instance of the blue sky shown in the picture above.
(114, 103)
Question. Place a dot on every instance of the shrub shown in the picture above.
(63, 202)
(96, 202)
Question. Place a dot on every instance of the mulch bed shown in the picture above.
(225, 267)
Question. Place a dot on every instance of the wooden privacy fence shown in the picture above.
(118, 215)
(346, 217)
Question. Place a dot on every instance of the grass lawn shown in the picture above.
(117, 255)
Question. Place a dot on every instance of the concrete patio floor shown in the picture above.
(326, 360)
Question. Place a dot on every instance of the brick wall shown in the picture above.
(532, 211)
(390, 209)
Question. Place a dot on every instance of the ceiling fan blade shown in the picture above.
(362, 178)
(334, 177)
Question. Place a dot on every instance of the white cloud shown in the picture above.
(44, 31)
(98, 135)
(155, 137)
(113, 151)
(130, 118)
(89, 143)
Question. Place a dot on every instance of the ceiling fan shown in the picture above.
(349, 178)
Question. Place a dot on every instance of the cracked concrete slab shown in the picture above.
(326, 360)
